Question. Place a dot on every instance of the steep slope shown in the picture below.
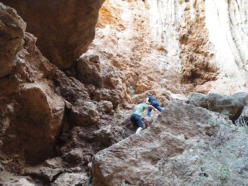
(187, 145)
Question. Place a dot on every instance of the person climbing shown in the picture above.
(136, 117)
(152, 100)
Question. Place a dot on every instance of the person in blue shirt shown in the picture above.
(152, 100)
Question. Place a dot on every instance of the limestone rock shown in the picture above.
(74, 157)
(188, 145)
(105, 106)
(231, 106)
(85, 113)
(243, 118)
(6, 178)
(69, 179)
(12, 29)
(69, 88)
(114, 96)
(39, 119)
(31, 112)
(70, 26)
(89, 70)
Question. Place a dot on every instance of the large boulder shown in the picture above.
(64, 28)
(231, 106)
(12, 29)
(36, 123)
(188, 145)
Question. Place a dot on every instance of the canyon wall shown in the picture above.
(172, 48)
(208, 38)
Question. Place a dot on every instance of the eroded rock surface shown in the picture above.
(232, 105)
(70, 116)
(188, 145)
(31, 113)
(205, 41)
(12, 29)
(64, 29)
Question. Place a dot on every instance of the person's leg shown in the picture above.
(140, 124)
(133, 119)
(157, 106)
(149, 112)
(136, 120)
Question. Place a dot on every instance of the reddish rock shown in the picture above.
(12, 29)
(85, 113)
(89, 70)
(64, 29)
(39, 116)
(31, 112)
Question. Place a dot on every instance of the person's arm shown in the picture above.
(147, 100)
(146, 106)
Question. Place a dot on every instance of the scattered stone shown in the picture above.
(74, 157)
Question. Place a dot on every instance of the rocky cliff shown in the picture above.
(64, 29)
(66, 99)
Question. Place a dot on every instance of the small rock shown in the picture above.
(70, 179)
(105, 106)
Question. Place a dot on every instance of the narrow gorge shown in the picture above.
(71, 73)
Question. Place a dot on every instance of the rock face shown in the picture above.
(188, 145)
(31, 113)
(64, 29)
(40, 105)
(205, 38)
(232, 106)
(12, 29)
